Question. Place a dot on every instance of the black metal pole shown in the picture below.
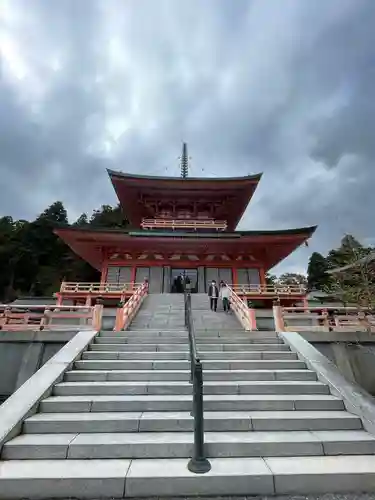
(198, 463)
(188, 326)
(191, 367)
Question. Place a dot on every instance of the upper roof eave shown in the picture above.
(122, 175)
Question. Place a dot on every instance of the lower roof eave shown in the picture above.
(91, 244)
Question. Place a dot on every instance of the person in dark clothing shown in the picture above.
(180, 284)
(213, 293)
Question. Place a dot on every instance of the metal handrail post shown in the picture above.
(198, 462)
(188, 326)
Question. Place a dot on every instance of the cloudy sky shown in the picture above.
(285, 87)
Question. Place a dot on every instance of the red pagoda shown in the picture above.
(182, 227)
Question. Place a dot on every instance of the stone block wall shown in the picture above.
(23, 353)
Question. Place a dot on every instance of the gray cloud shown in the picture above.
(281, 87)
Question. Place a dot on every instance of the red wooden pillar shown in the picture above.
(234, 276)
(132, 275)
(103, 277)
(262, 277)
(104, 274)
(305, 304)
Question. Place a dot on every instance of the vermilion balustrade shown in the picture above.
(324, 319)
(245, 314)
(47, 317)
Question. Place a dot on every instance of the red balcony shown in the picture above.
(194, 224)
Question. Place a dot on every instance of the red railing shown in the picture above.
(245, 315)
(47, 317)
(219, 225)
(98, 288)
(349, 319)
(269, 290)
(126, 313)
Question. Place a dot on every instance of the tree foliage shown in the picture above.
(34, 261)
(271, 279)
(292, 279)
(355, 284)
(317, 277)
(107, 216)
(349, 251)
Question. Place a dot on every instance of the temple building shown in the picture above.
(185, 226)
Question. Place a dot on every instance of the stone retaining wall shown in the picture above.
(23, 353)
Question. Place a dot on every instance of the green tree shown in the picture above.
(55, 214)
(18, 262)
(33, 260)
(82, 221)
(271, 279)
(317, 277)
(348, 252)
(109, 217)
(288, 279)
(355, 283)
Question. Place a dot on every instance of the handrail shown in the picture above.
(198, 462)
(245, 314)
(125, 314)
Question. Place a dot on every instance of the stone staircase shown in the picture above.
(119, 423)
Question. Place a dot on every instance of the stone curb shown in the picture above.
(25, 400)
(356, 399)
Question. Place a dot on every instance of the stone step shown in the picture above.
(180, 444)
(122, 337)
(269, 402)
(152, 323)
(184, 346)
(176, 375)
(266, 355)
(177, 388)
(176, 355)
(130, 362)
(204, 339)
(48, 423)
(45, 479)
(183, 331)
(211, 332)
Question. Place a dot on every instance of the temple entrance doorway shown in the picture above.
(180, 277)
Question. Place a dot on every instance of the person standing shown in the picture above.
(180, 284)
(213, 293)
(187, 284)
(225, 296)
